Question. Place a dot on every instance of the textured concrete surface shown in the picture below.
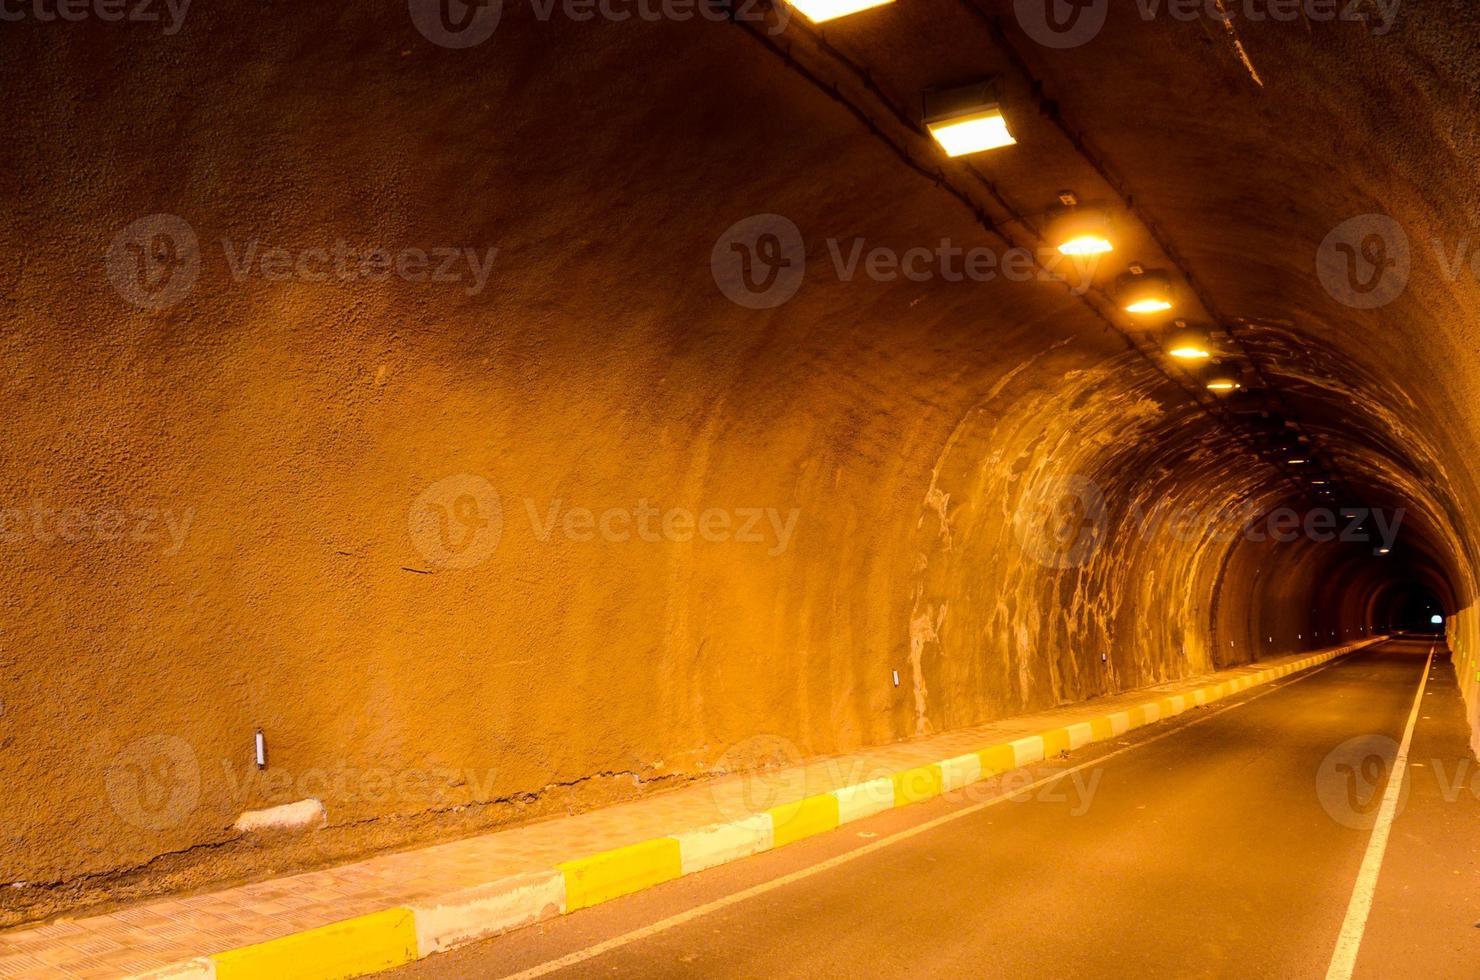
(1226, 849)
(230, 514)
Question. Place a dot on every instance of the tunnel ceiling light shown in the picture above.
(1223, 383)
(1384, 551)
(821, 11)
(1297, 461)
(1318, 483)
(1190, 345)
(967, 120)
(1079, 232)
(1145, 293)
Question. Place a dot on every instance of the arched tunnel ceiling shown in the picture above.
(1232, 155)
(912, 425)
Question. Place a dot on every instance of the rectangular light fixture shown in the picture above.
(967, 119)
(973, 133)
(821, 11)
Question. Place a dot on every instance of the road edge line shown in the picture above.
(1354, 925)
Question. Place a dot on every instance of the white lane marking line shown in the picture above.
(1349, 942)
(663, 925)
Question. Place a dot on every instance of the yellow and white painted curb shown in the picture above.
(394, 937)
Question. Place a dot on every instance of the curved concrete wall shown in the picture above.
(572, 524)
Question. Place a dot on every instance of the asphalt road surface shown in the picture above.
(1229, 842)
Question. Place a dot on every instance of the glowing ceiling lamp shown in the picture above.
(967, 120)
(821, 11)
(1079, 232)
(1297, 461)
(1190, 345)
(1223, 383)
(1145, 293)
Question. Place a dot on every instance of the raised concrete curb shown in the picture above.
(396, 936)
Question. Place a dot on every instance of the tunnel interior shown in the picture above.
(595, 526)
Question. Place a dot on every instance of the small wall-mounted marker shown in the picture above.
(260, 742)
(895, 673)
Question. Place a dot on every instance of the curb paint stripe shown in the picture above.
(1026, 750)
(383, 940)
(1055, 742)
(961, 771)
(864, 799)
(722, 843)
(997, 759)
(354, 947)
(919, 783)
(484, 911)
(804, 818)
(621, 871)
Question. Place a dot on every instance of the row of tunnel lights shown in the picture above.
(1078, 232)
(966, 121)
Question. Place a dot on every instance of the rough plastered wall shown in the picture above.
(550, 520)
(1464, 642)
